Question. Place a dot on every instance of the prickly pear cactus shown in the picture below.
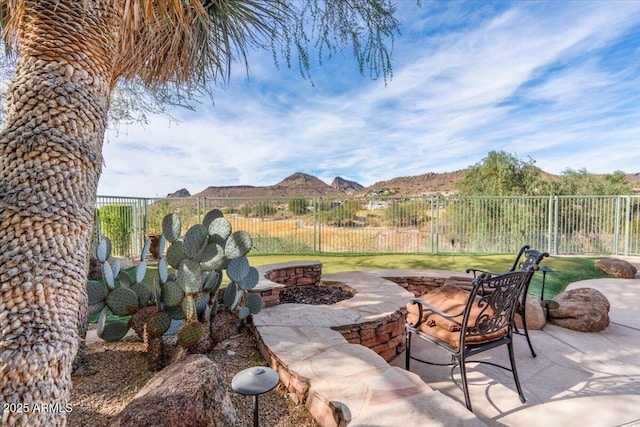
(199, 258)
(190, 273)
(122, 298)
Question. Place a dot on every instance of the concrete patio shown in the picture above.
(585, 379)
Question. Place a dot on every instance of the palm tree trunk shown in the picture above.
(50, 163)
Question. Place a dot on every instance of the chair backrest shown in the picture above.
(531, 257)
(492, 304)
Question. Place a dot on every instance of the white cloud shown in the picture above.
(557, 81)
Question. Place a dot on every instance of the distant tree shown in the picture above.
(343, 214)
(582, 183)
(500, 174)
(298, 206)
(263, 209)
(404, 214)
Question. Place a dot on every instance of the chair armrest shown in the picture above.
(421, 304)
(477, 271)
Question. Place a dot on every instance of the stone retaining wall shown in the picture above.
(274, 277)
(418, 285)
(296, 274)
(385, 336)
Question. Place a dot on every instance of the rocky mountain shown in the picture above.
(298, 184)
(347, 187)
(183, 192)
(428, 184)
(301, 184)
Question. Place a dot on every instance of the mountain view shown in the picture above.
(301, 184)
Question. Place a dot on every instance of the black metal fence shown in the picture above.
(561, 225)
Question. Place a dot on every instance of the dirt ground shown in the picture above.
(118, 370)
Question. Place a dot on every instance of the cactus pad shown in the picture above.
(220, 227)
(171, 227)
(103, 249)
(189, 307)
(251, 280)
(238, 268)
(143, 292)
(141, 270)
(254, 303)
(238, 244)
(229, 294)
(210, 216)
(175, 254)
(189, 276)
(96, 292)
(125, 279)
(122, 301)
(113, 331)
(243, 313)
(161, 246)
(175, 325)
(176, 312)
(115, 267)
(232, 296)
(172, 294)
(107, 275)
(145, 250)
(95, 308)
(102, 320)
(158, 324)
(195, 240)
(212, 257)
(201, 302)
(189, 334)
(163, 270)
(218, 240)
(212, 282)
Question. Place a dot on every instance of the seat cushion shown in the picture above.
(452, 300)
(463, 282)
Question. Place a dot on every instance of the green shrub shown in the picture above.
(116, 223)
(298, 206)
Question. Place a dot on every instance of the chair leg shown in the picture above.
(512, 358)
(407, 352)
(523, 315)
(465, 386)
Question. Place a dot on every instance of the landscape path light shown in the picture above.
(254, 382)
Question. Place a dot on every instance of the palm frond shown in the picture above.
(191, 43)
(188, 42)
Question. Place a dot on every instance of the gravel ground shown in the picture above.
(118, 371)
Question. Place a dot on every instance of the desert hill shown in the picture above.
(298, 184)
(304, 185)
(346, 186)
(428, 184)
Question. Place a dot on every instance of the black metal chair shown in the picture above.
(466, 323)
(531, 257)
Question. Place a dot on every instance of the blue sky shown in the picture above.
(556, 81)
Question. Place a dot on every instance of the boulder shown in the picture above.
(617, 268)
(535, 315)
(582, 309)
(190, 392)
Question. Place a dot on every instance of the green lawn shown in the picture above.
(566, 269)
